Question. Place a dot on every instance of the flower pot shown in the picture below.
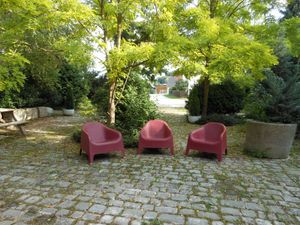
(271, 140)
(193, 119)
(68, 112)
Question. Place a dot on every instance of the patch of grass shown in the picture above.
(234, 186)
(152, 222)
(43, 220)
(256, 154)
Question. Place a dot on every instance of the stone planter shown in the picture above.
(193, 119)
(271, 140)
(68, 112)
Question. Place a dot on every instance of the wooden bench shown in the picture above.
(15, 123)
(7, 118)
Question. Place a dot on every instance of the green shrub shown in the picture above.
(275, 99)
(86, 108)
(180, 85)
(69, 98)
(134, 110)
(193, 103)
(224, 98)
(227, 120)
(134, 107)
(77, 135)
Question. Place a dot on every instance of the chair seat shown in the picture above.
(156, 134)
(209, 138)
(96, 138)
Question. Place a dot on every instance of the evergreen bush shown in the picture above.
(193, 103)
(275, 99)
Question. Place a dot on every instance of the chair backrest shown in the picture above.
(157, 128)
(214, 130)
(95, 131)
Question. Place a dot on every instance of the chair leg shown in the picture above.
(140, 149)
(186, 151)
(219, 156)
(226, 151)
(172, 151)
(80, 151)
(21, 130)
(123, 152)
(91, 159)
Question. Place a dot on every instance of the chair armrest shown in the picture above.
(85, 141)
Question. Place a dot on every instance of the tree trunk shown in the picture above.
(205, 96)
(112, 88)
(111, 104)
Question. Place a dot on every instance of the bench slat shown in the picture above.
(13, 123)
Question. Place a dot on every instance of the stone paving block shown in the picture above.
(82, 206)
(106, 219)
(263, 222)
(136, 222)
(163, 209)
(188, 212)
(113, 210)
(62, 212)
(217, 223)
(170, 218)
(132, 205)
(230, 211)
(134, 213)
(196, 221)
(12, 213)
(90, 216)
(67, 204)
(64, 221)
(96, 208)
(209, 215)
(121, 221)
(32, 199)
(48, 211)
(77, 214)
(6, 222)
(150, 215)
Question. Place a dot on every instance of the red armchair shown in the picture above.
(211, 138)
(156, 134)
(97, 139)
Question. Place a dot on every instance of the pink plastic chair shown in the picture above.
(156, 134)
(211, 138)
(96, 138)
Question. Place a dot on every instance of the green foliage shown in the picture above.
(86, 108)
(224, 98)
(275, 99)
(134, 107)
(69, 98)
(255, 154)
(193, 103)
(162, 80)
(134, 110)
(36, 35)
(227, 120)
(35, 93)
(181, 85)
(153, 222)
(77, 135)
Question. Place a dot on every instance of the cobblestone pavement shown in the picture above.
(43, 180)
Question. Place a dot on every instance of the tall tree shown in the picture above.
(213, 41)
(113, 17)
(35, 35)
